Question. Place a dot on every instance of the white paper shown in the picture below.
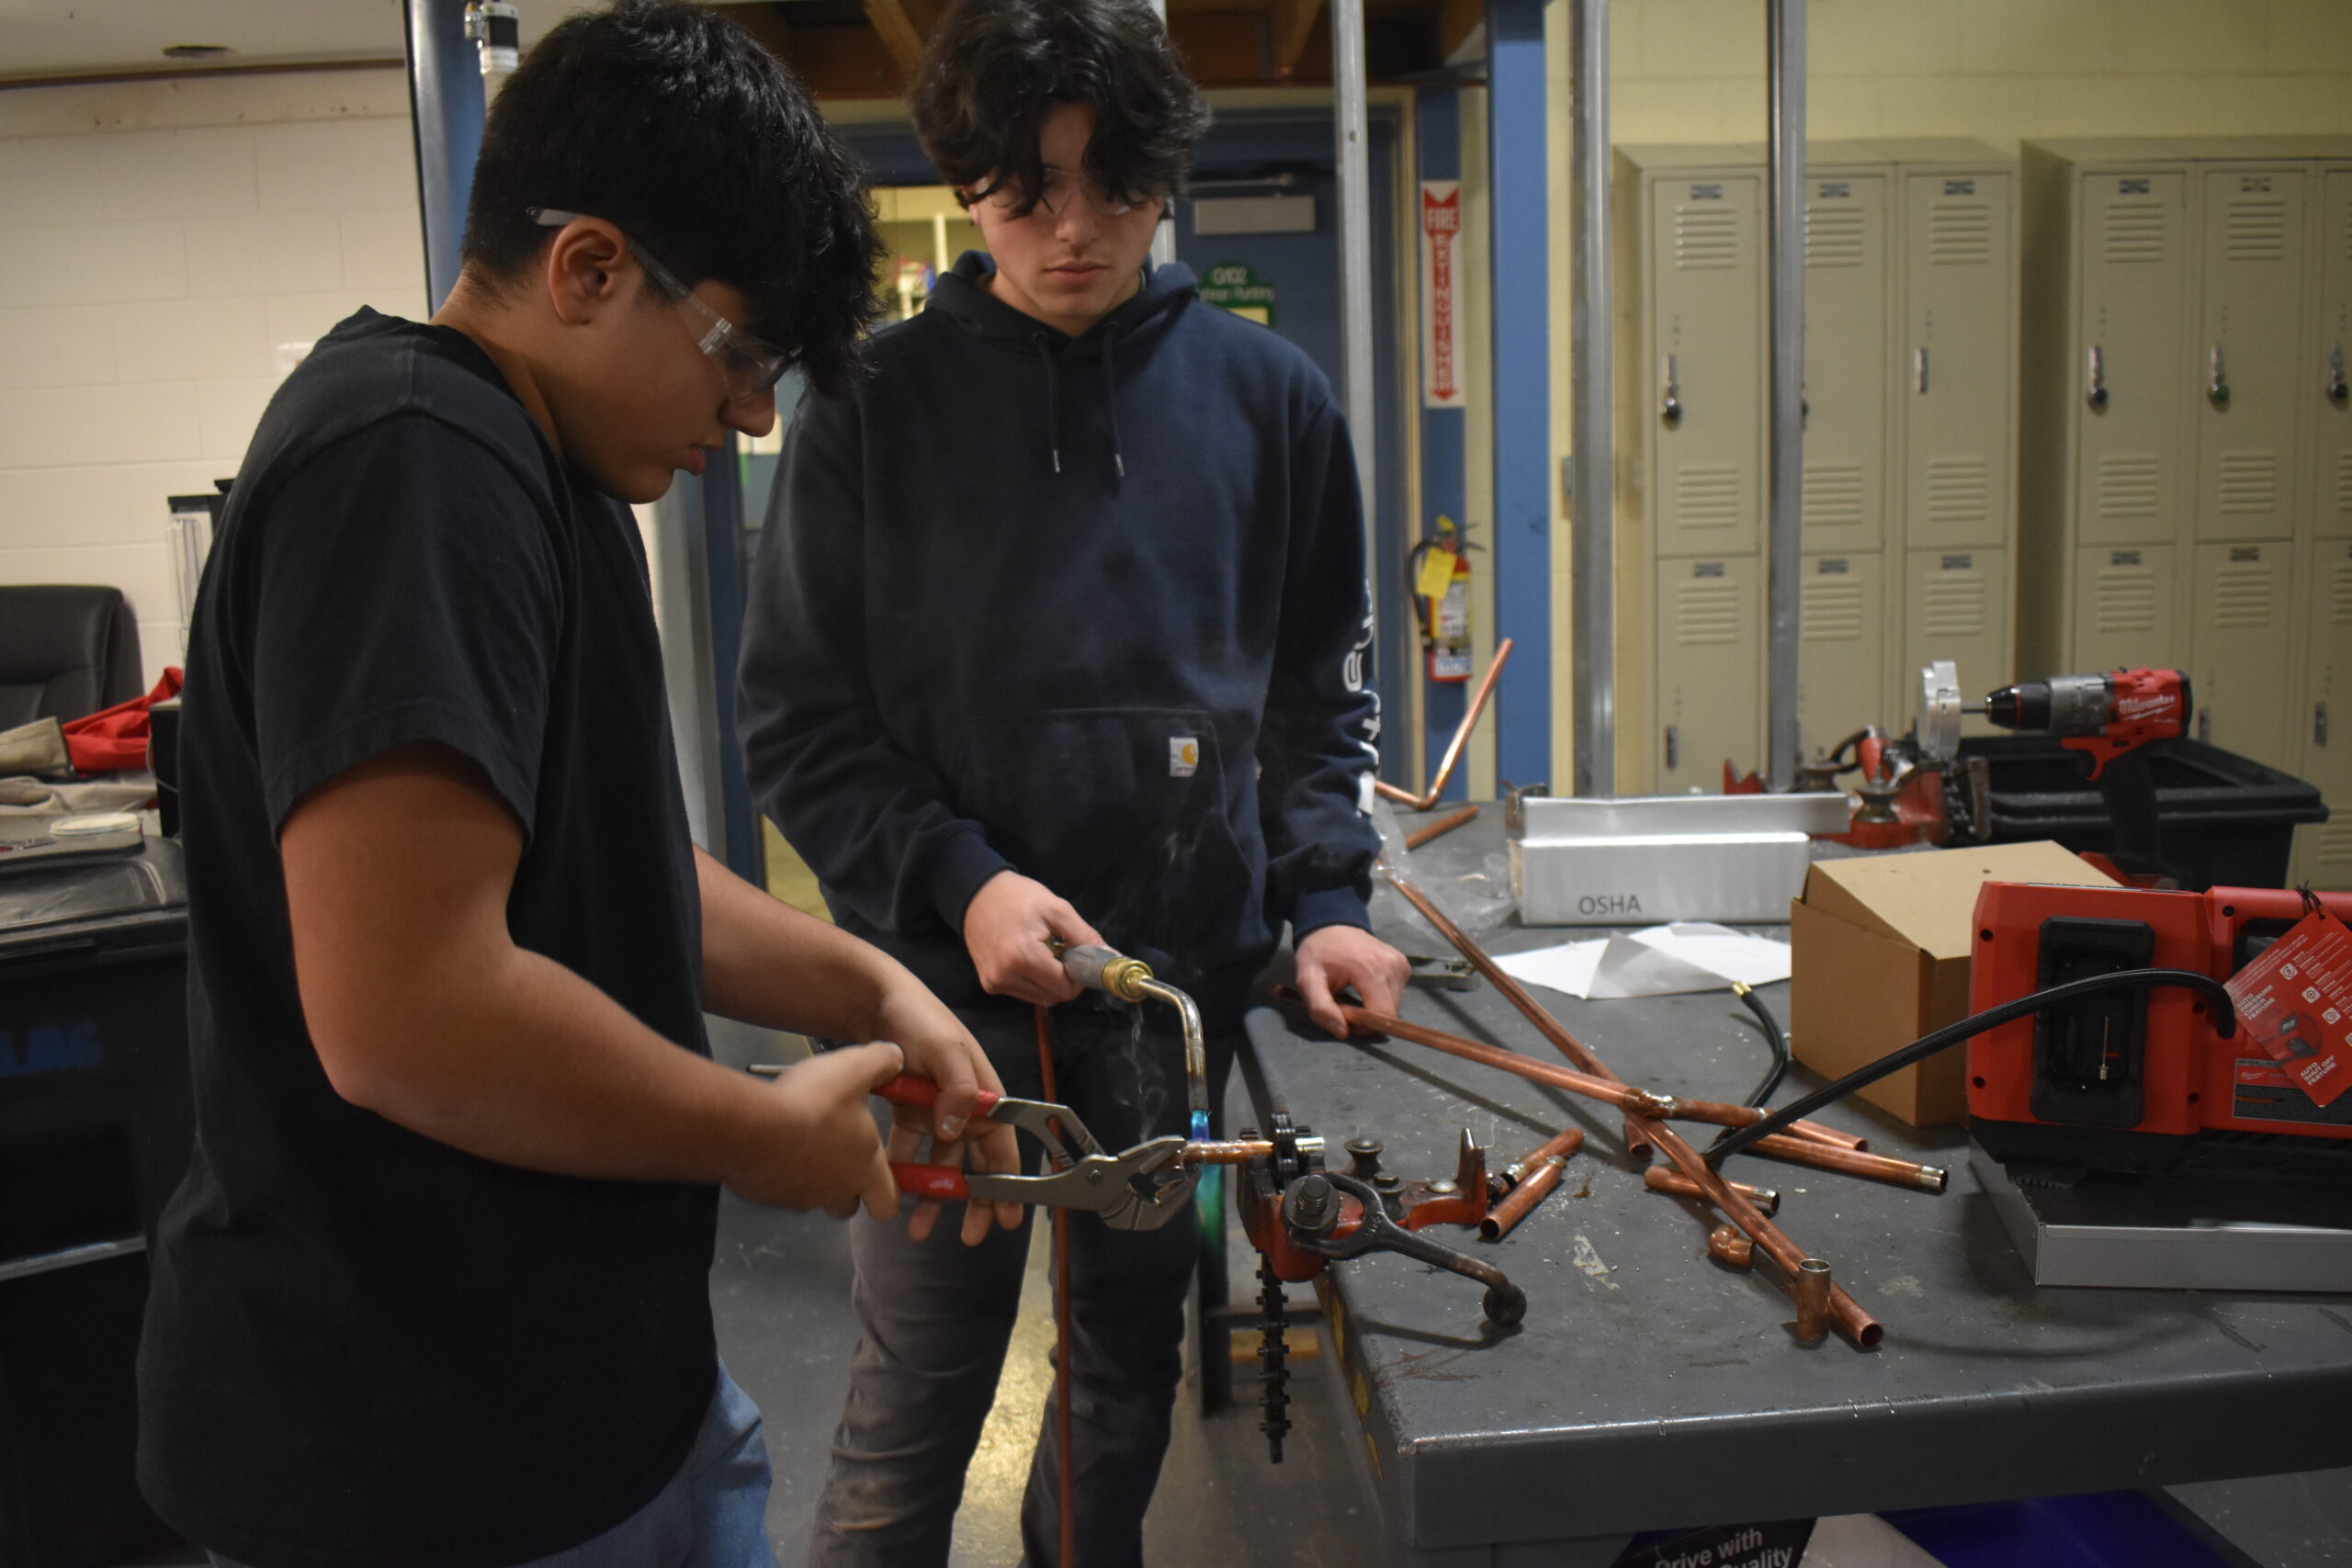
(1661, 960)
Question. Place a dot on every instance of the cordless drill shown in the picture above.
(2110, 718)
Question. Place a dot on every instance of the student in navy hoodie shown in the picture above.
(1058, 631)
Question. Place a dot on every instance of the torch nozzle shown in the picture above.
(1131, 980)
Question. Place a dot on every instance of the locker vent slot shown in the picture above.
(2249, 484)
(1959, 491)
(2256, 229)
(2335, 844)
(2344, 480)
(2124, 600)
(1955, 607)
(1706, 614)
(1706, 239)
(1960, 236)
(2339, 596)
(2129, 486)
(2244, 598)
(1833, 494)
(1833, 611)
(1706, 495)
(2135, 233)
(1834, 236)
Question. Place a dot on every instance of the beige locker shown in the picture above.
(2125, 616)
(2240, 647)
(1959, 359)
(1710, 680)
(1955, 606)
(2134, 365)
(2323, 850)
(2251, 327)
(1706, 285)
(1841, 659)
(2331, 377)
(1847, 260)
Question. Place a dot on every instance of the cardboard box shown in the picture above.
(1880, 949)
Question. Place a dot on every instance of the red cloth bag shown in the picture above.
(116, 737)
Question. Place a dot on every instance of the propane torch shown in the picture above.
(1131, 980)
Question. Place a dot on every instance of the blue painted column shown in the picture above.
(1437, 115)
(1517, 134)
(445, 101)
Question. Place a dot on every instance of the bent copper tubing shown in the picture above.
(1813, 1288)
(1665, 1178)
(1856, 1324)
(1725, 1245)
(1541, 1177)
(1438, 828)
(1874, 1167)
(1453, 747)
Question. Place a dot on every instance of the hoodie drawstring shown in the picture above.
(1053, 400)
(1111, 404)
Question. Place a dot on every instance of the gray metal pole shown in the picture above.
(1591, 351)
(445, 101)
(1350, 129)
(1785, 548)
(1163, 239)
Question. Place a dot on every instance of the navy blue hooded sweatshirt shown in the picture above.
(1093, 609)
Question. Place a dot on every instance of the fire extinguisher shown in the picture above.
(1440, 570)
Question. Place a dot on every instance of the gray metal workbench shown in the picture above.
(1651, 1388)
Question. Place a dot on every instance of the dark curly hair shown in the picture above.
(672, 124)
(996, 68)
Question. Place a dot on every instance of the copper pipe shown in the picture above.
(1812, 1289)
(1874, 1167)
(1540, 1177)
(1441, 827)
(1232, 1153)
(1813, 1132)
(1847, 1312)
(1453, 747)
(1725, 1245)
(1559, 1148)
(1665, 1178)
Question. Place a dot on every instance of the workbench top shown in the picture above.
(1650, 1387)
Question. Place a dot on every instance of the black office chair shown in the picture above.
(65, 651)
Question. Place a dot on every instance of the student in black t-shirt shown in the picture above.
(435, 1287)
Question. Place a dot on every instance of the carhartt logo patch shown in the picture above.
(1183, 756)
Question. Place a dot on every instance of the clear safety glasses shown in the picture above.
(751, 366)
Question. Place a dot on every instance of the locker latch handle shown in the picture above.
(2205, 727)
(1670, 410)
(2336, 392)
(1919, 367)
(2217, 391)
(2098, 392)
(2319, 724)
(1673, 747)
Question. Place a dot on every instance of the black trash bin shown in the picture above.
(2227, 820)
(95, 1130)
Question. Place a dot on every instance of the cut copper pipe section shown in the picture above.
(1540, 1177)
(1722, 1116)
(1725, 1245)
(1453, 747)
(1440, 827)
(1559, 1148)
(1813, 1291)
(1235, 1152)
(1873, 1168)
(1857, 1324)
(1665, 1178)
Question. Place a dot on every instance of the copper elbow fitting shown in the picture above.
(1725, 1245)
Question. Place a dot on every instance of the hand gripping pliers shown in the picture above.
(1139, 1190)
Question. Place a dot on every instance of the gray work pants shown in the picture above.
(937, 1317)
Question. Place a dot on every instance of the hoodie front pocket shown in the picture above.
(1127, 813)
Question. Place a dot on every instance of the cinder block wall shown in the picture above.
(168, 250)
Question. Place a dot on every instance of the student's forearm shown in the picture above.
(766, 963)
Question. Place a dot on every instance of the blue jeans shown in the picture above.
(937, 1317)
(713, 1514)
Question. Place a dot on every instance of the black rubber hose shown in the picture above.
(1773, 1038)
(2226, 1020)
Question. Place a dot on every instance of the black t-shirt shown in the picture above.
(364, 1345)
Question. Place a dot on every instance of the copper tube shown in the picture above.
(1441, 827)
(1541, 1178)
(1725, 1245)
(1812, 1289)
(1453, 747)
(1233, 1153)
(1665, 1178)
(1813, 1132)
(1856, 1324)
(1559, 1148)
(1874, 1167)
